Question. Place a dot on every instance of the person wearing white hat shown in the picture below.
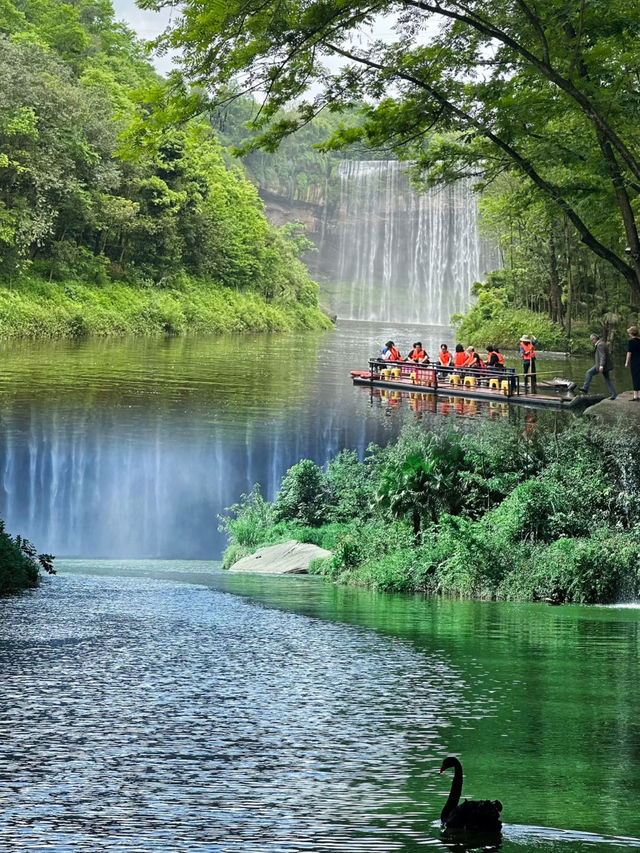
(528, 355)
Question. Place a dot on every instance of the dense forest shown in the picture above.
(94, 199)
(488, 514)
(537, 105)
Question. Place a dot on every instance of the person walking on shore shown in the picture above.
(603, 364)
(633, 360)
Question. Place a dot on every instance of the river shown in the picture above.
(132, 448)
(168, 706)
(163, 705)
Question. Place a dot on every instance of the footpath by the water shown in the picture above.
(623, 410)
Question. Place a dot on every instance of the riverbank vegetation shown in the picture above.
(20, 565)
(556, 157)
(491, 514)
(100, 206)
(549, 282)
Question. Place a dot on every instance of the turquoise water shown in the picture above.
(155, 705)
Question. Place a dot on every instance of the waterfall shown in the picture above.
(404, 256)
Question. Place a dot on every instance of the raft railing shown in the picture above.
(505, 381)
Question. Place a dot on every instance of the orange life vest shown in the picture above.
(459, 359)
(500, 358)
(394, 354)
(527, 350)
(416, 354)
(445, 358)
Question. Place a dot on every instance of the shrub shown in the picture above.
(249, 520)
(601, 568)
(304, 495)
(349, 484)
(19, 564)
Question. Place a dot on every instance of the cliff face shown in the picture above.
(320, 228)
(280, 211)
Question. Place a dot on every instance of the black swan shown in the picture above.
(472, 815)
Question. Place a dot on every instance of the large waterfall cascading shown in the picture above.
(404, 256)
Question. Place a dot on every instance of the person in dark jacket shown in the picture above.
(633, 360)
(603, 364)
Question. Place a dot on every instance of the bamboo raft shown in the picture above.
(504, 385)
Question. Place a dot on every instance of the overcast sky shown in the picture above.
(146, 24)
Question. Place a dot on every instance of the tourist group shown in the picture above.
(467, 358)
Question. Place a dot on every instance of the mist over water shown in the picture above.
(133, 448)
(405, 256)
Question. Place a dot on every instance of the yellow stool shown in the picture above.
(470, 381)
(396, 373)
(494, 383)
(384, 373)
(412, 376)
(455, 379)
(504, 386)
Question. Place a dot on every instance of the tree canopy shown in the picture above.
(548, 91)
(90, 188)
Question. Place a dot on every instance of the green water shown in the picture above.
(340, 704)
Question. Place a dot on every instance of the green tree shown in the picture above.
(303, 495)
(479, 88)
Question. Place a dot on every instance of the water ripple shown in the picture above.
(147, 715)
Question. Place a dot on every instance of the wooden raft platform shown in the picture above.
(496, 386)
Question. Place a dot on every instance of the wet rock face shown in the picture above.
(288, 558)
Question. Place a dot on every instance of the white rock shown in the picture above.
(287, 558)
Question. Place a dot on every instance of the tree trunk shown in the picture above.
(555, 303)
(569, 303)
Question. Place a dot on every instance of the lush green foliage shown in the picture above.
(489, 514)
(534, 111)
(92, 192)
(546, 271)
(495, 319)
(43, 309)
(19, 564)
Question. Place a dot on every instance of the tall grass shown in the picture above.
(39, 309)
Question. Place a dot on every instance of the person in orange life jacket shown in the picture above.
(418, 355)
(494, 358)
(390, 353)
(473, 359)
(445, 356)
(528, 355)
(460, 356)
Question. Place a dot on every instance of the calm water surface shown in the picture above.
(132, 448)
(167, 706)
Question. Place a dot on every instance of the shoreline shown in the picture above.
(41, 310)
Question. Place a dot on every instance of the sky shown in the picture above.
(146, 24)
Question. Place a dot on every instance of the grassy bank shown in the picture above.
(40, 309)
(496, 514)
(19, 564)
